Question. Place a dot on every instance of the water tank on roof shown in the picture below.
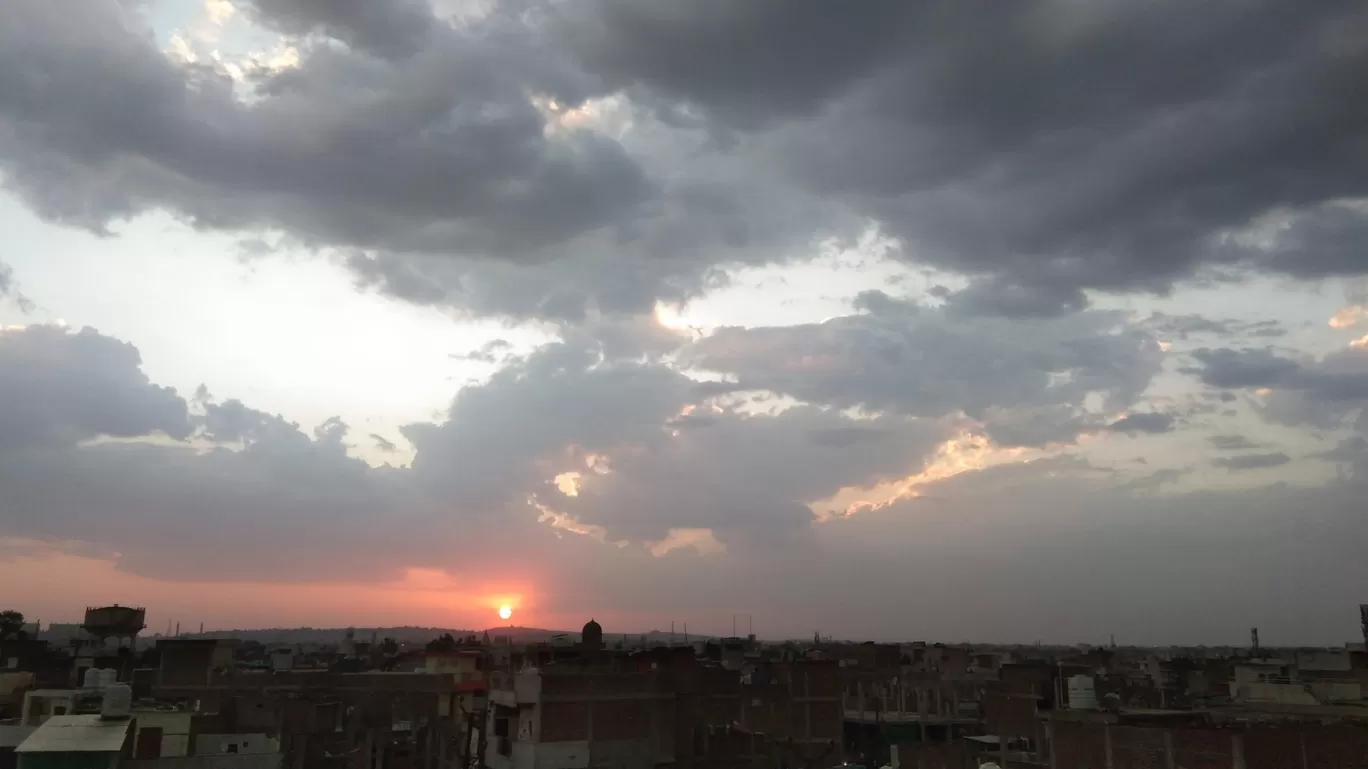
(1082, 693)
(91, 680)
(118, 702)
(114, 621)
(108, 677)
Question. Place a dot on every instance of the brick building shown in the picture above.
(664, 707)
(1331, 738)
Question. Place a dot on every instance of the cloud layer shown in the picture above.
(1013, 402)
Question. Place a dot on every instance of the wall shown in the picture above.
(73, 760)
(251, 761)
(560, 755)
(241, 744)
(1282, 745)
(1279, 693)
(12, 735)
(185, 665)
(175, 728)
(42, 704)
(12, 686)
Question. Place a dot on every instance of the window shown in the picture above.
(232, 748)
(60, 710)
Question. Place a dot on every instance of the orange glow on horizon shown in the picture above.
(417, 596)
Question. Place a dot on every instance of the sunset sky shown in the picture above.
(1044, 320)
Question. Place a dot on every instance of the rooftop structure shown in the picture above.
(115, 621)
(77, 734)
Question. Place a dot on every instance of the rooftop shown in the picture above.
(68, 734)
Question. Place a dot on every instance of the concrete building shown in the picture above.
(75, 742)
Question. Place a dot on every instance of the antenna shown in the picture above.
(1254, 639)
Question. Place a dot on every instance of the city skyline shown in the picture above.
(1042, 324)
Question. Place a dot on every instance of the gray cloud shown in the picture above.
(1227, 368)
(694, 479)
(307, 511)
(59, 388)
(1252, 461)
(1325, 392)
(391, 28)
(384, 444)
(1026, 380)
(441, 151)
(1040, 151)
(1352, 449)
(1040, 141)
(1153, 423)
(1231, 442)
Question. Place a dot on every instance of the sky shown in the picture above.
(899, 320)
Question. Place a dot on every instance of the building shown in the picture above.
(639, 709)
(75, 742)
(1237, 738)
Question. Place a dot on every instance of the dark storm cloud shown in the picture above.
(1112, 145)
(1252, 461)
(766, 63)
(1026, 380)
(441, 151)
(1152, 423)
(1041, 150)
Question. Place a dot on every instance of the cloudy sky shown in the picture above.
(1043, 320)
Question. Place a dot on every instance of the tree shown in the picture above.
(11, 625)
(443, 643)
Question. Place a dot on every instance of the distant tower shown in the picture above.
(1363, 621)
(1254, 639)
(591, 637)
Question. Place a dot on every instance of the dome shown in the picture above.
(592, 635)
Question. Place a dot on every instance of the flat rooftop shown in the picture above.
(72, 734)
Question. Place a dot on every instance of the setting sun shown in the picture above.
(505, 612)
